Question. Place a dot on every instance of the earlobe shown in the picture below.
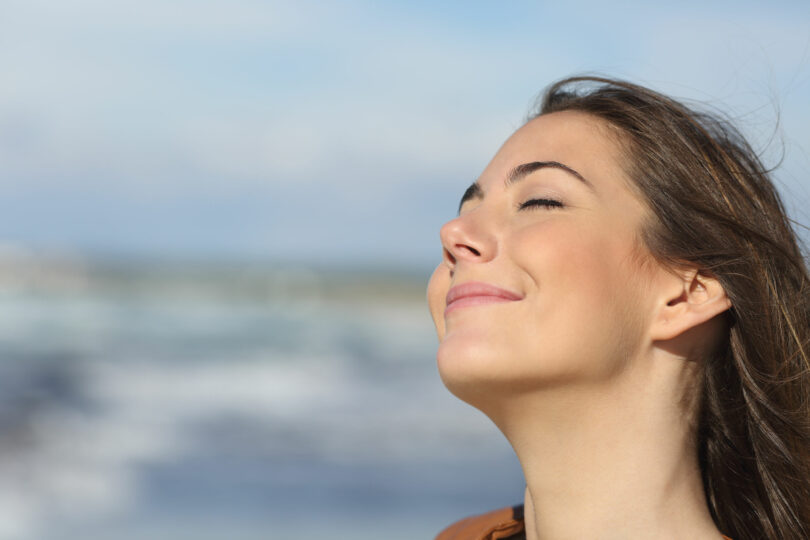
(689, 299)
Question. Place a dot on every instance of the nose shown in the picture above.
(466, 238)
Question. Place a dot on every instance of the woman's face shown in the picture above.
(543, 265)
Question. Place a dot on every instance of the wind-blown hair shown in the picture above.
(713, 206)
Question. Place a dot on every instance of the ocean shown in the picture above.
(213, 400)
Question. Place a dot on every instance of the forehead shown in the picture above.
(573, 138)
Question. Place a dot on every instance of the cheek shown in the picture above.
(436, 293)
(585, 310)
(572, 278)
(577, 262)
(584, 262)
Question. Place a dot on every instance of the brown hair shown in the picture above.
(714, 206)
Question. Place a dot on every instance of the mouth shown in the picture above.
(476, 293)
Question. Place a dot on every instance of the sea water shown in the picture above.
(231, 401)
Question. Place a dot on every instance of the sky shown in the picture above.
(336, 132)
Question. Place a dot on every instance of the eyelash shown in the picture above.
(548, 203)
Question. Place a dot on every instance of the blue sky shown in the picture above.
(339, 132)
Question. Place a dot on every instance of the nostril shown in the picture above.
(472, 250)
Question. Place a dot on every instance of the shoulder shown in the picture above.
(497, 524)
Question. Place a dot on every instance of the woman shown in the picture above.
(623, 295)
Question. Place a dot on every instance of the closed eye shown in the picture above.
(548, 203)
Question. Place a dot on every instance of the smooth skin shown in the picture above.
(591, 373)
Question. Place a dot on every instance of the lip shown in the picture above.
(475, 293)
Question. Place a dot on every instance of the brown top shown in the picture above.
(498, 524)
(501, 524)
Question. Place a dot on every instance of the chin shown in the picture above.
(487, 375)
(466, 367)
(482, 373)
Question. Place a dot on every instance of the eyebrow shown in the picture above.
(519, 173)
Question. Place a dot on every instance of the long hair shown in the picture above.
(713, 205)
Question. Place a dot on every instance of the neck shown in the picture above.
(611, 459)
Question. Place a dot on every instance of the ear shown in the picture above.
(688, 299)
